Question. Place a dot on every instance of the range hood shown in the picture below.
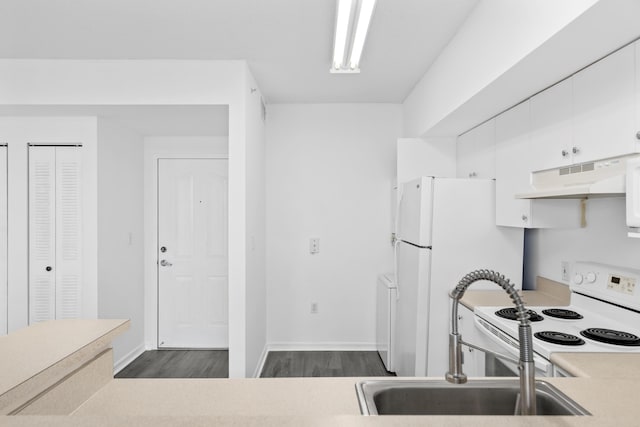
(601, 178)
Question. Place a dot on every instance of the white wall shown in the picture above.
(418, 157)
(120, 234)
(256, 306)
(155, 82)
(603, 240)
(17, 133)
(329, 173)
(494, 38)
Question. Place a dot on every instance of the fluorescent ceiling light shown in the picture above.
(366, 10)
(351, 32)
(342, 26)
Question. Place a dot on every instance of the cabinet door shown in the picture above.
(475, 154)
(552, 126)
(604, 112)
(3, 240)
(512, 166)
(637, 97)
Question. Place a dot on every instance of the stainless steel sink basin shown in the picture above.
(476, 397)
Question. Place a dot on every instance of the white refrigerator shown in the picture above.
(446, 229)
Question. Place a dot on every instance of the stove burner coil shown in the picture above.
(511, 313)
(610, 336)
(561, 313)
(559, 338)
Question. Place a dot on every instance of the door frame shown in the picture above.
(166, 148)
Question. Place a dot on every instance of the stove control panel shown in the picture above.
(625, 285)
(613, 284)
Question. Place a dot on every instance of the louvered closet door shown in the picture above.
(68, 230)
(54, 233)
(3, 240)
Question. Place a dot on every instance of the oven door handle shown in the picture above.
(498, 355)
(512, 349)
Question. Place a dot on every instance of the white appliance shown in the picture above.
(633, 195)
(606, 177)
(446, 228)
(385, 318)
(602, 317)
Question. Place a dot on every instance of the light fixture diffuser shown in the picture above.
(343, 17)
(352, 25)
(362, 27)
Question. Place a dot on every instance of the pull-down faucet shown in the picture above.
(525, 364)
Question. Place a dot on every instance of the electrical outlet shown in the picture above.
(565, 271)
(314, 308)
(314, 245)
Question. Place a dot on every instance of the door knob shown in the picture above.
(48, 268)
(165, 263)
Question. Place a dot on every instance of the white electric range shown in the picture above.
(603, 316)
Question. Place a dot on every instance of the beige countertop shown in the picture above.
(547, 293)
(219, 397)
(599, 365)
(308, 402)
(36, 357)
(319, 401)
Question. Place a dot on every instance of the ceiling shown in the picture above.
(287, 43)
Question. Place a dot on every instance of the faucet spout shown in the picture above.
(526, 364)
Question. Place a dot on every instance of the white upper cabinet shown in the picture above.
(514, 154)
(637, 95)
(552, 126)
(604, 107)
(512, 166)
(475, 152)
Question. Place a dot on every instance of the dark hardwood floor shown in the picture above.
(178, 364)
(323, 364)
(215, 364)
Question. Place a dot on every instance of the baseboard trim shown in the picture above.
(261, 360)
(320, 346)
(128, 358)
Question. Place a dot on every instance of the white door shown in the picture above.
(54, 233)
(192, 253)
(412, 281)
(414, 215)
(3, 240)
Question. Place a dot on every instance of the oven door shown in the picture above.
(494, 339)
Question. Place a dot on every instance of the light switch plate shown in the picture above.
(565, 271)
(314, 245)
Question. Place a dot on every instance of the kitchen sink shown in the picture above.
(476, 397)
